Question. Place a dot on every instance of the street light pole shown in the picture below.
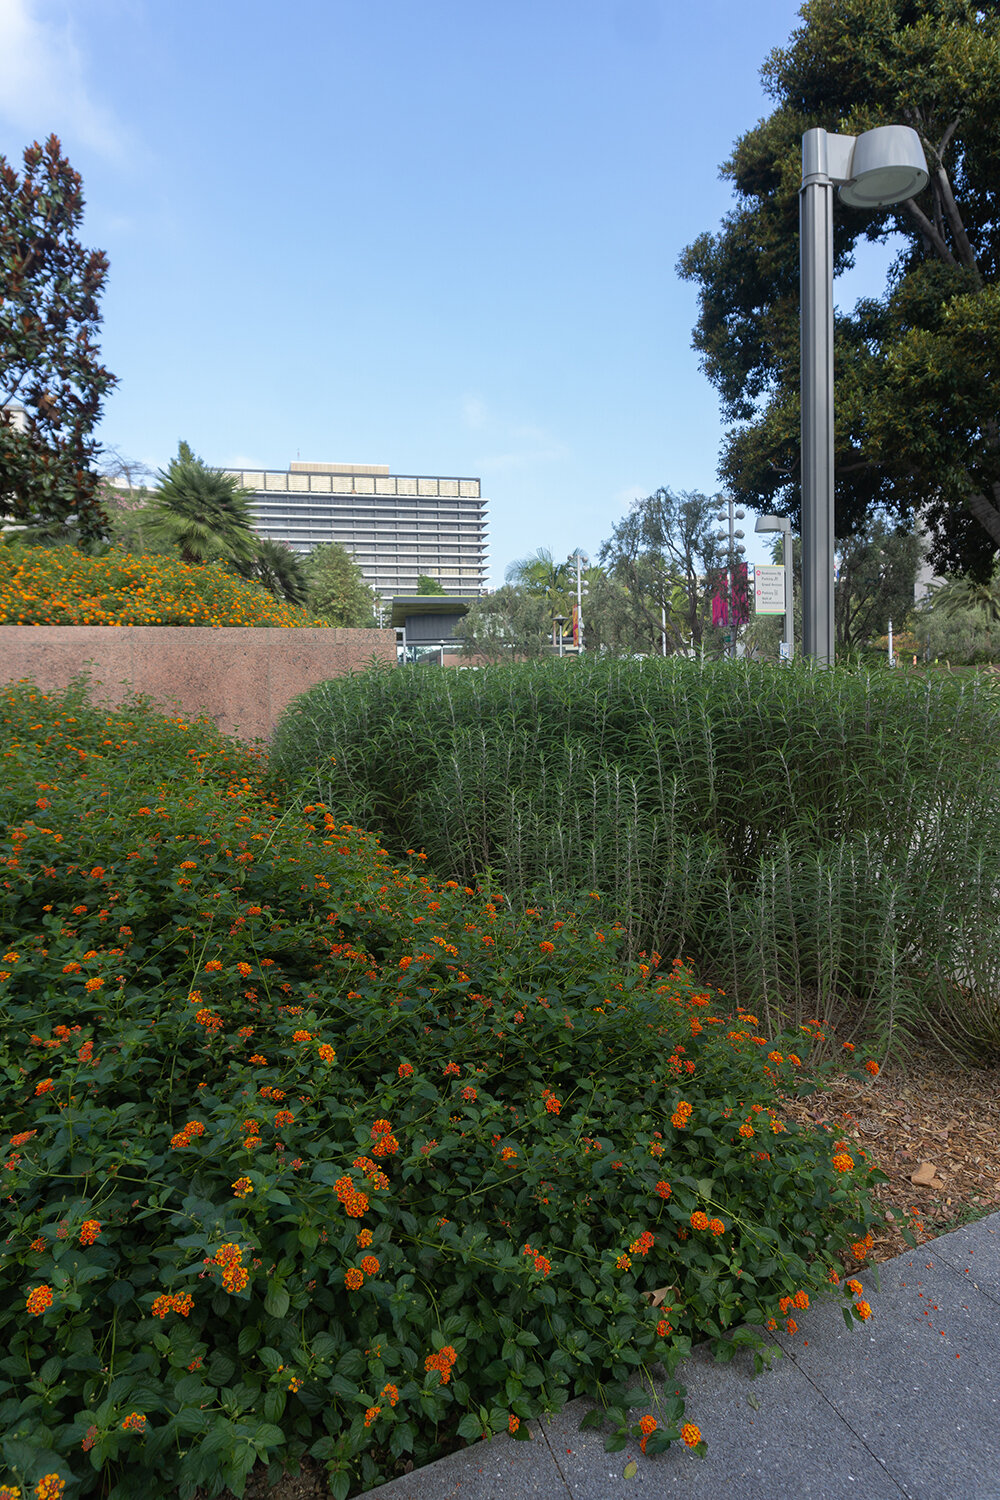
(884, 166)
(736, 551)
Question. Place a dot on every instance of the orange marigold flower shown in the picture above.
(690, 1434)
(863, 1310)
(842, 1162)
(354, 1279)
(716, 1226)
(699, 1220)
(872, 1067)
(39, 1300)
(89, 1230)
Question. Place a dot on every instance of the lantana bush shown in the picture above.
(307, 1152)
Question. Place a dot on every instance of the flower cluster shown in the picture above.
(172, 1302)
(442, 1361)
(681, 1115)
(229, 1259)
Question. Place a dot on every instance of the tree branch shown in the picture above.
(957, 227)
(930, 233)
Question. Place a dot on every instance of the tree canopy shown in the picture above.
(337, 588)
(917, 369)
(664, 551)
(203, 512)
(49, 366)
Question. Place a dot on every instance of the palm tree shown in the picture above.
(204, 513)
(280, 570)
(540, 574)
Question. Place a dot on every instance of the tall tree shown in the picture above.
(337, 588)
(51, 381)
(428, 585)
(203, 512)
(917, 369)
(510, 623)
(663, 551)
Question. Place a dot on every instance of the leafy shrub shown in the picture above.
(812, 838)
(309, 1153)
(60, 586)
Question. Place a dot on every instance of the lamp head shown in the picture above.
(887, 166)
(773, 523)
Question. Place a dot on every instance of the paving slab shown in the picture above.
(499, 1470)
(767, 1437)
(974, 1250)
(918, 1383)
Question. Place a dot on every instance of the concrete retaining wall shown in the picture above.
(243, 679)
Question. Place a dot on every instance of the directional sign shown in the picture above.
(769, 589)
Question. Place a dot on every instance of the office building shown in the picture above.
(395, 526)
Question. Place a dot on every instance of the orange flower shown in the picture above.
(872, 1068)
(854, 1286)
(842, 1162)
(690, 1434)
(547, 947)
(699, 1220)
(623, 1263)
(405, 1070)
(134, 1422)
(389, 1393)
(354, 1279)
(89, 1230)
(370, 1265)
(39, 1300)
(716, 1226)
(302, 1036)
(553, 1105)
(242, 1187)
(664, 1189)
(45, 1087)
(513, 1423)
(93, 984)
(49, 1487)
(326, 1053)
(371, 1414)
(864, 1312)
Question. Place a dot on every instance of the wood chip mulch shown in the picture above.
(932, 1120)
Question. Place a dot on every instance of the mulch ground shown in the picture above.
(932, 1126)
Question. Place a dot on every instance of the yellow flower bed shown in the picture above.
(59, 586)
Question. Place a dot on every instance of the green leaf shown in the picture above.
(630, 1470)
(277, 1300)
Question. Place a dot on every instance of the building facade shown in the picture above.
(395, 526)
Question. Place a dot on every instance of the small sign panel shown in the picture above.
(769, 589)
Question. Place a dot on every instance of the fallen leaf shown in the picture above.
(630, 1470)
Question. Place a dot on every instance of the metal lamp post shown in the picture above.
(881, 167)
(784, 525)
(559, 621)
(735, 553)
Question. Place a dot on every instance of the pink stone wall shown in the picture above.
(243, 679)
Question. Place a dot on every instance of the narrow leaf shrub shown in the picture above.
(307, 1152)
(822, 842)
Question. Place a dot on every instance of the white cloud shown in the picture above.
(43, 85)
(520, 444)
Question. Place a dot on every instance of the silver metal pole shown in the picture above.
(816, 331)
(786, 558)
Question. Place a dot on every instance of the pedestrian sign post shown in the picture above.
(769, 589)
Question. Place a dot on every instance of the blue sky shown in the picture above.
(438, 235)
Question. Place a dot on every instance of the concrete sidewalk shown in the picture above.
(904, 1407)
